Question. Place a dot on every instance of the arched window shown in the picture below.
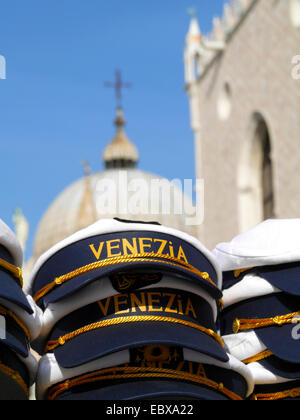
(196, 62)
(255, 176)
(224, 103)
(267, 172)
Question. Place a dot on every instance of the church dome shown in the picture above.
(121, 190)
(81, 204)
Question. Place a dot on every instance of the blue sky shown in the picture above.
(55, 111)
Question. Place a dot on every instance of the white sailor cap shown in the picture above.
(184, 372)
(168, 316)
(21, 318)
(9, 241)
(113, 246)
(266, 327)
(107, 288)
(33, 321)
(248, 348)
(272, 242)
(18, 367)
(11, 260)
(17, 374)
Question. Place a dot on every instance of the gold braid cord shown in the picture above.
(51, 345)
(290, 393)
(7, 312)
(15, 271)
(249, 324)
(237, 273)
(128, 372)
(16, 377)
(145, 257)
(260, 356)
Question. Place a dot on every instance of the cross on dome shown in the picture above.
(121, 152)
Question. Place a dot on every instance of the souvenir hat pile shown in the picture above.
(20, 322)
(129, 312)
(261, 315)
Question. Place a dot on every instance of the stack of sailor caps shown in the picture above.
(117, 287)
(20, 322)
(261, 298)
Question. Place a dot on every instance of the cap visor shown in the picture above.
(143, 390)
(12, 292)
(98, 343)
(12, 336)
(78, 282)
(281, 368)
(10, 390)
(280, 341)
(16, 342)
(285, 277)
(278, 388)
(283, 341)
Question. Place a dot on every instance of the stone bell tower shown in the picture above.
(244, 111)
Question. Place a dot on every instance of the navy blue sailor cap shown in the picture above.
(141, 389)
(110, 287)
(14, 376)
(11, 260)
(110, 246)
(147, 372)
(272, 317)
(148, 317)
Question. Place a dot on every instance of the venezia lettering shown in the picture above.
(148, 302)
(124, 247)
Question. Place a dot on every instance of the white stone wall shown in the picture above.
(257, 66)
